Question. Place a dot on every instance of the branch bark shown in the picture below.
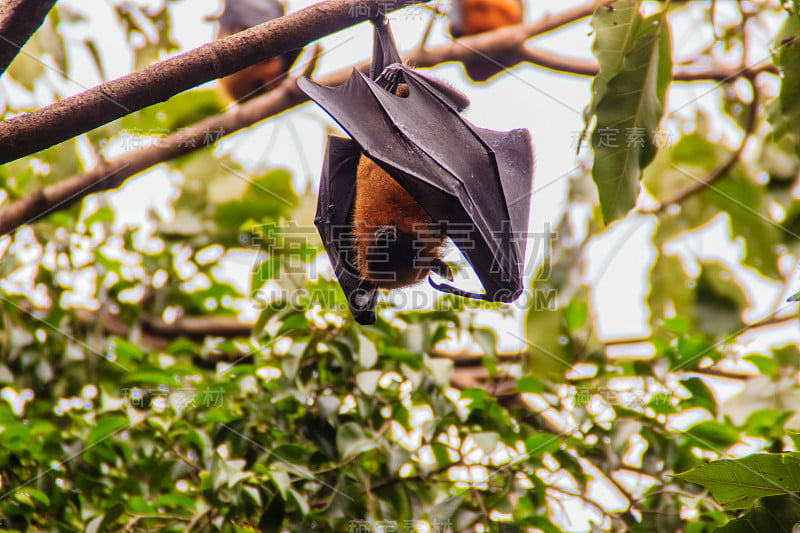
(32, 132)
(19, 19)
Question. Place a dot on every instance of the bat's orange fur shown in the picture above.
(380, 203)
(485, 15)
(255, 80)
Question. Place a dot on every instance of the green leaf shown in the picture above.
(487, 340)
(101, 523)
(776, 514)
(441, 454)
(576, 314)
(702, 396)
(107, 426)
(692, 350)
(180, 502)
(228, 471)
(291, 453)
(265, 197)
(530, 384)
(678, 324)
(103, 214)
(351, 441)
(766, 423)
(712, 435)
(125, 351)
(784, 113)
(151, 376)
(181, 110)
(265, 271)
(541, 443)
(614, 35)
(443, 512)
(29, 495)
(404, 356)
(634, 54)
(737, 483)
(765, 365)
(441, 370)
(486, 441)
(26, 67)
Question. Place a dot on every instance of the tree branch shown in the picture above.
(721, 170)
(112, 174)
(19, 19)
(589, 68)
(29, 133)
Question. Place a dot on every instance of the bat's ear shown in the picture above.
(454, 97)
(384, 51)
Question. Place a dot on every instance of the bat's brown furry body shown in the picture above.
(255, 80)
(397, 243)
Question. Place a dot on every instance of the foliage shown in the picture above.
(145, 387)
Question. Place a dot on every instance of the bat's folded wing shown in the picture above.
(475, 181)
(334, 222)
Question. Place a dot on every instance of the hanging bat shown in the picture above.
(470, 17)
(238, 15)
(415, 172)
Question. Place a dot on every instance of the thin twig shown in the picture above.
(721, 170)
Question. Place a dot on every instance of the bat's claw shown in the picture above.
(442, 269)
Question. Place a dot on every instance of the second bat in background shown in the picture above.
(471, 17)
(238, 15)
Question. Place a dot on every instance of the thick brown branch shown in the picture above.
(19, 19)
(32, 132)
(111, 174)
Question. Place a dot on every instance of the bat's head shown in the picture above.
(238, 15)
(396, 242)
(395, 255)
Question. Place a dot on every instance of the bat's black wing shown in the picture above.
(475, 181)
(337, 192)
